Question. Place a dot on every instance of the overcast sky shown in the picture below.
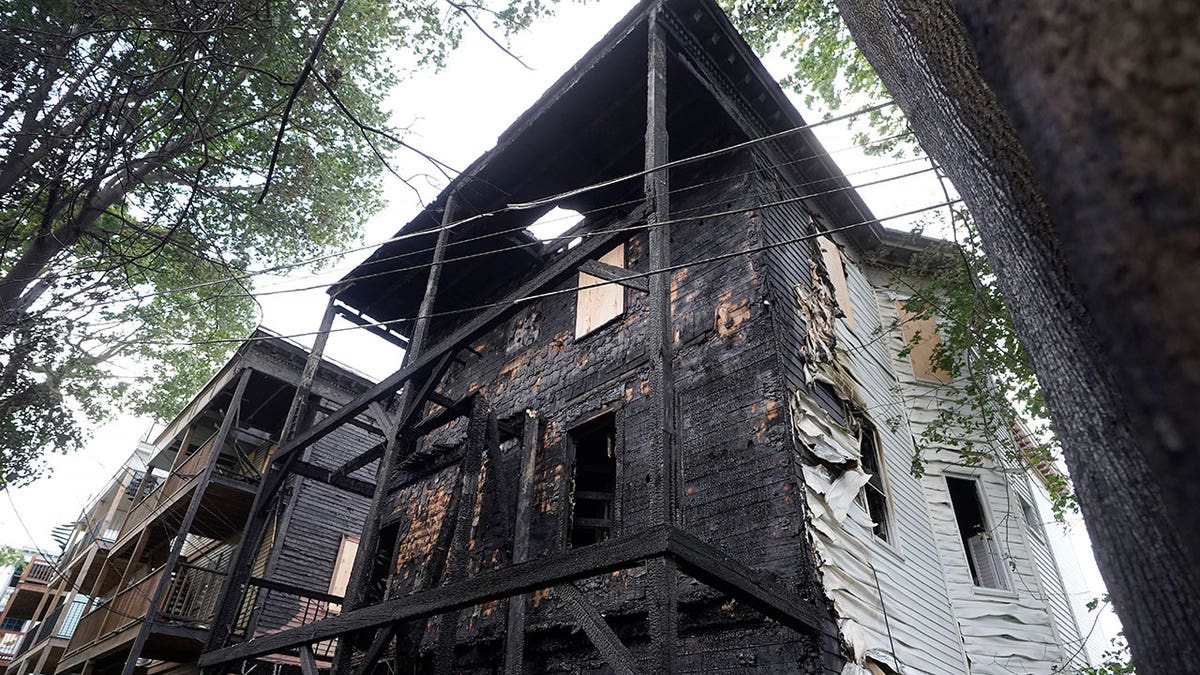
(455, 115)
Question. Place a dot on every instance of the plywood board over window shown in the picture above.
(921, 353)
(598, 305)
(345, 562)
(832, 258)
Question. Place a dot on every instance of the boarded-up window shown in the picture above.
(598, 305)
(921, 335)
(837, 276)
(341, 569)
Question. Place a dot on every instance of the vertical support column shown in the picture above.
(368, 546)
(662, 577)
(233, 588)
(514, 641)
(189, 517)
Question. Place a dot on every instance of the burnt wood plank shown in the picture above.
(514, 641)
(359, 462)
(308, 664)
(353, 485)
(481, 433)
(709, 564)
(294, 590)
(610, 647)
(618, 553)
(620, 275)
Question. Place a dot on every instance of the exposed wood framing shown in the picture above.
(189, 518)
(610, 647)
(699, 558)
(359, 462)
(308, 664)
(481, 434)
(234, 586)
(294, 590)
(368, 547)
(662, 577)
(358, 319)
(617, 553)
(514, 642)
(620, 275)
(555, 271)
(354, 485)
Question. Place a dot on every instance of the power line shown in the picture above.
(573, 289)
(564, 237)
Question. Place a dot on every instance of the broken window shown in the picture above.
(873, 497)
(594, 482)
(1033, 520)
(597, 305)
(987, 568)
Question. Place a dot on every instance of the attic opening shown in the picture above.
(594, 481)
(974, 530)
(553, 223)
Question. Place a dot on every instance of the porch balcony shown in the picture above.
(223, 509)
(177, 630)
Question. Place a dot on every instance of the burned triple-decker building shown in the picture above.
(659, 441)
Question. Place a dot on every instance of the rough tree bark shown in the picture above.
(1088, 217)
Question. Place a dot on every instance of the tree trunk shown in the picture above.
(1054, 270)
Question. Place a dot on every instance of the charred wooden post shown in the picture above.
(514, 641)
(189, 518)
(233, 588)
(368, 548)
(663, 580)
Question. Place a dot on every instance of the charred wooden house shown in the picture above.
(663, 441)
(136, 588)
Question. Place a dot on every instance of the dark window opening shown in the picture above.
(874, 494)
(987, 570)
(594, 482)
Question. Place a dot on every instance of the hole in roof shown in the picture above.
(554, 222)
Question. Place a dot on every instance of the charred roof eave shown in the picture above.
(389, 284)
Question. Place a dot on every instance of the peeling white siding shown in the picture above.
(1019, 630)
(919, 625)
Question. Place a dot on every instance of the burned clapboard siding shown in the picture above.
(740, 490)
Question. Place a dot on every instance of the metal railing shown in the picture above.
(193, 595)
(267, 609)
(183, 475)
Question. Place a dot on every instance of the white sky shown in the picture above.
(455, 115)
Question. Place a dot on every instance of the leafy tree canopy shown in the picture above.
(149, 146)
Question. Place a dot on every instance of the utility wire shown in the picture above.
(573, 289)
(521, 205)
(567, 236)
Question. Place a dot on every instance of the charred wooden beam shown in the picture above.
(292, 589)
(383, 637)
(620, 275)
(444, 401)
(662, 575)
(359, 462)
(359, 487)
(514, 642)
(308, 664)
(610, 647)
(481, 434)
(718, 569)
(621, 552)
(359, 422)
(441, 418)
(381, 330)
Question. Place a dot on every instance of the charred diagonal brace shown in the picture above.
(359, 462)
(610, 647)
(620, 275)
(695, 557)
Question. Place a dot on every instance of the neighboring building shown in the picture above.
(26, 587)
(80, 569)
(136, 589)
(701, 466)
